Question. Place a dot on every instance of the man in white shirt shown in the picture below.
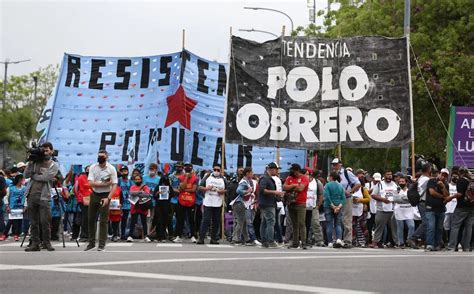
(214, 188)
(103, 180)
(384, 194)
(450, 206)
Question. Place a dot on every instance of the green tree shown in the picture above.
(442, 38)
(22, 109)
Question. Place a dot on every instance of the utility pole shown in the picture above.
(5, 80)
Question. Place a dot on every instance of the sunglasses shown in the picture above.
(217, 169)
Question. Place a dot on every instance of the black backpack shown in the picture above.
(413, 196)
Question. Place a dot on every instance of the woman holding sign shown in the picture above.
(162, 194)
(15, 204)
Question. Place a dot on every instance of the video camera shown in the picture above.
(36, 153)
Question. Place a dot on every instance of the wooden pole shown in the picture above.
(277, 153)
(339, 152)
(184, 38)
(223, 137)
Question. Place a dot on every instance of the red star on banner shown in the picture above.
(179, 108)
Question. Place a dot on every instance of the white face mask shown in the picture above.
(216, 173)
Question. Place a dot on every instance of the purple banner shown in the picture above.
(463, 137)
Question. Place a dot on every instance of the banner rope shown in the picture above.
(434, 105)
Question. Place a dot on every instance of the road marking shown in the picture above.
(207, 259)
(169, 245)
(218, 246)
(209, 280)
(11, 245)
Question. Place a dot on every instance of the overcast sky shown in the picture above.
(43, 30)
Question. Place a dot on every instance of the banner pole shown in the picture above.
(184, 39)
(410, 91)
(277, 153)
(223, 136)
(339, 152)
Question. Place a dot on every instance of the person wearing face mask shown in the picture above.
(451, 203)
(136, 211)
(124, 183)
(103, 180)
(214, 188)
(436, 196)
(174, 179)
(151, 180)
(403, 212)
(384, 194)
(83, 191)
(186, 202)
(38, 195)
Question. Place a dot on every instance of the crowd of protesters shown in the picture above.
(298, 208)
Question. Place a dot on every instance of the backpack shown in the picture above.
(413, 196)
(469, 197)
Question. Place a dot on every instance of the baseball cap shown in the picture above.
(335, 161)
(360, 171)
(377, 177)
(20, 164)
(399, 174)
(179, 163)
(445, 171)
(187, 163)
(273, 165)
(123, 167)
(295, 167)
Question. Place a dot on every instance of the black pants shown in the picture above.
(181, 214)
(309, 218)
(371, 225)
(211, 216)
(55, 222)
(76, 224)
(84, 221)
(15, 224)
(134, 223)
(161, 219)
(115, 228)
(123, 223)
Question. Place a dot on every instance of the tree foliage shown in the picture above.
(442, 38)
(22, 109)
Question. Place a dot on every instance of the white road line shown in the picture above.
(209, 280)
(119, 245)
(219, 246)
(169, 245)
(13, 245)
(207, 259)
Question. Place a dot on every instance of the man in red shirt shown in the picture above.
(186, 203)
(297, 183)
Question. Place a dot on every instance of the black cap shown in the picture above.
(187, 163)
(295, 167)
(273, 165)
(123, 167)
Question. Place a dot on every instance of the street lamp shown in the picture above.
(274, 10)
(6, 63)
(258, 31)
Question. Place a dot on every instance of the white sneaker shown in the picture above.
(147, 240)
(339, 242)
(256, 242)
(177, 240)
(330, 245)
(193, 239)
(129, 239)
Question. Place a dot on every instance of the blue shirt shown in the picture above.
(333, 193)
(151, 182)
(266, 182)
(16, 199)
(125, 187)
(175, 184)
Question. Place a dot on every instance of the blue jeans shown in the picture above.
(400, 229)
(434, 228)
(210, 216)
(267, 226)
(420, 232)
(250, 214)
(333, 220)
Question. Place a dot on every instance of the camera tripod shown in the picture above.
(63, 212)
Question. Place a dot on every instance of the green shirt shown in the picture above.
(333, 193)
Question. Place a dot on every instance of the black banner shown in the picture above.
(313, 93)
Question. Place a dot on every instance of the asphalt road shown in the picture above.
(190, 268)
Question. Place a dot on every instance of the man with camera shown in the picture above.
(41, 170)
(103, 180)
